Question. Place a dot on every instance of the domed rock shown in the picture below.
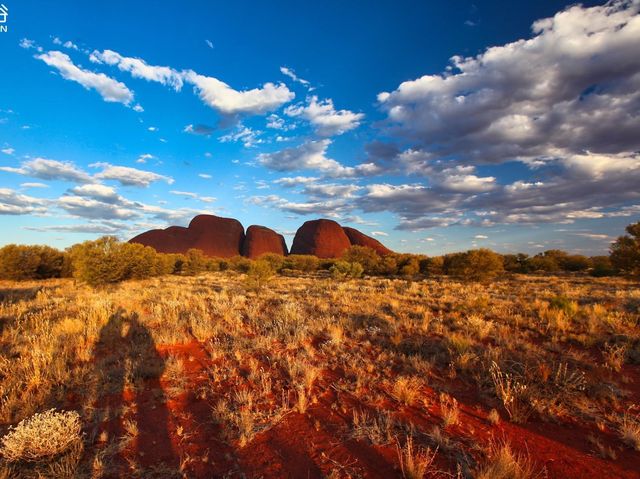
(260, 240)
(357, 238)
(322, 238)
(215, 236)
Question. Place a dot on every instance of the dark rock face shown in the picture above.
(215, 236)
(260, 240)
(360, 239)
(322, 238)
(225, 238)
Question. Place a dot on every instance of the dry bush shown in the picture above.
(42, 437)
(513, 393)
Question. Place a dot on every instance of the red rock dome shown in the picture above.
(358, 238)
(322, 238)
(260, 240)
(215, 236)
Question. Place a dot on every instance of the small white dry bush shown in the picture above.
(42, 436)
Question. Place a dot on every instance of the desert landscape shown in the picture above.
(298, 366)
(330, 239)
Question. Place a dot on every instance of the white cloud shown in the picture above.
(27, 44)
(8, 151)
(311, 155)
(94, 209)
(33, 185)
(111, 90)
(139, 68)
(195, 196)
(152, 129)
(14, 203)
(481, 237)
(129, 176)
(46, 169)
(220, 96)
(289, 182)
(573, 86)
(325, 118)
(145, 157)
(379, 233)
(206, 176)
(248, 137)
(291, 74)
(209, 43)
(106, 194)
(203, 130)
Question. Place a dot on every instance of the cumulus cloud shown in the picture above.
(573, 86)
(139, 68)
(95, 209)
(221, 97)
(8, 151)
(46, 169)
(129, 176)
(330, 208)
(106, 194)
(14, 203)
(289, 182)
(312, 155)
(324, 117)
(111, 90)
(245, 135)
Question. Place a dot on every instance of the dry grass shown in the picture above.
(373, 355)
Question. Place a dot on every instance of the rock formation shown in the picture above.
(260, 240)
(322, 238)
(360, 239)
(225, 238)
(215, 236)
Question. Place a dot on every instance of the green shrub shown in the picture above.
(625, 251)
(259, 274)
(601, 266)
(301, 262)
(345, 269)
(20, 262)
(432, 266)
(476, 265)
(366, 257)
(106, 261)
(407, 264)
(275, 260)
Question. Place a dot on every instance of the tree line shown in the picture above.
(107, 260)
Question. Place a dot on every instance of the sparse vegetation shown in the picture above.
(359, 364)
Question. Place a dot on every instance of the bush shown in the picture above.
(625, 252)
(195, 262)
(275, 260)
(106, 261)
(239, 264)
(366, 257)
(345, 269)
(432, 266)
(602, 267)
(301, 262)
(42, 436)
(20, 262)
(259, 273)
(516, 263)
(407, 264)
(477, 265)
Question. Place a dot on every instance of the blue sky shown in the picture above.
(434, 126)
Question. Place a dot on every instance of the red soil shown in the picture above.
(313, 444)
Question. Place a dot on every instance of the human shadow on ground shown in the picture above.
(131, 420)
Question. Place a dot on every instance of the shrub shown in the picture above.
(239, 264)
(432, 266)
(344, 269)
(194, 262)
(625, 252)
(301, 262)
(20, 262)
(516, 263)
(42, 436)
(259, 273)
(275, 260)
(478, 264)
(387, 265)
(106, 260)
(601, 266)
(367, 257)
(407, 264)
